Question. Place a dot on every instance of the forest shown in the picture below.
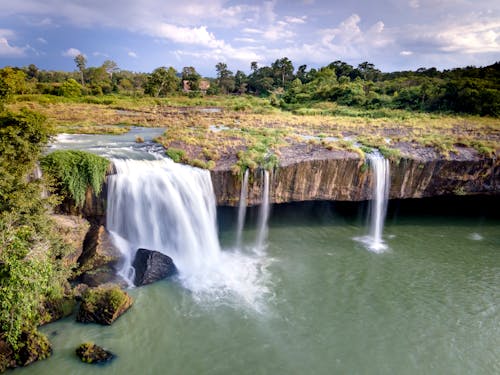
(468, 90)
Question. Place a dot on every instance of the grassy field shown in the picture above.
(251, 132)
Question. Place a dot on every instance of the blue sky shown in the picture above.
(143, 35)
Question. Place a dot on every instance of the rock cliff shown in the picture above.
(320, 174)
(315, 173)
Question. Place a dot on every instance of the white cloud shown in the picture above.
(299, 20)
(406, 53)
(6, 49)
(41, 40)
(72, 52)
(132, 54)
(100, 54)
(185, 35)
(414, 4)
(469, 36)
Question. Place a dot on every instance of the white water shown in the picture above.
(242, 209)
(168, 207)
(380, 169)
(262, 228)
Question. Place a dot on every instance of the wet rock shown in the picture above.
(100, 276)
(90, 353)
(98, 250)
(151, 266)
(103, 305)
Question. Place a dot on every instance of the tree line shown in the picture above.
(469, 90)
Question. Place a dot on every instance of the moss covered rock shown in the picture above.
(103, 305)
(35, 346)
(90, 353)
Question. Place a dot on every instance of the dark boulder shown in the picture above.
(151, 266)
(103, 305)
(91, 353)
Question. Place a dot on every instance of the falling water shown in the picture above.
(263, 213)
(168, 207)
(380, 169)
(242, 209)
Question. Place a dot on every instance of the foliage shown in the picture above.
(75, 172)
(22, 138)
(162, 82)
(30, 251)
(71, 88)
(176, 154)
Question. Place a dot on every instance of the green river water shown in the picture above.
(322, 304)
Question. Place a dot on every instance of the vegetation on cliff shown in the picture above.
(76, 171)
(30, 249)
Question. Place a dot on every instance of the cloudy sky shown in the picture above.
(141, 35)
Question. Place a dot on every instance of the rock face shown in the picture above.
(151, 266)
(342, 176)
(73, 230)
(103, 305)
(311, 173)
(91, 353)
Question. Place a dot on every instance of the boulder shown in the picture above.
(151, 266)
(103, 305)
(98, 250)
(90, 353)
(100, 276)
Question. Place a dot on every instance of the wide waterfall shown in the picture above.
(380, 169)
(168, 207)
(242, 209)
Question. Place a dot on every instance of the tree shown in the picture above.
(110, 67)
(81, 63)
(254, 66)
(283, 70)
(240, 81)
(70, 88)
(225, 78)
(191, 76)
(12, 81)
(162, 82)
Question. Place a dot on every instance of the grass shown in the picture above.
(251, 131)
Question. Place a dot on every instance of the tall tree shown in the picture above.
(283, 70)
(81, 63)
(191, 76)
(225, 78)
(162, 82)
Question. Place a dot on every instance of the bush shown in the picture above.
(176, 154)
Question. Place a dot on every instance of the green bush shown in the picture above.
(176, 154)
(75, 171)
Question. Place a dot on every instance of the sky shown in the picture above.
(141, 35)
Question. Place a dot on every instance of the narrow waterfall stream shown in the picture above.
(380, 168)
(378, 206)
(168, 207)
(262, 228)
(242, 209)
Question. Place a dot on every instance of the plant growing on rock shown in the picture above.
(76, 171)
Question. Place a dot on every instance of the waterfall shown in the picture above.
(242, 209)
(263, 213)
(169, 207)
(163, 206)
(380, 168)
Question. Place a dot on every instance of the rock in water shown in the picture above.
(91, 353)
(151, 266)
(103, 305)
